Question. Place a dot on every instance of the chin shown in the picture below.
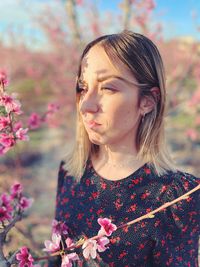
(97, 141)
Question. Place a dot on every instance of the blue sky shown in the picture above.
(175, 16)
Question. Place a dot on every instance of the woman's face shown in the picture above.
(109, 106)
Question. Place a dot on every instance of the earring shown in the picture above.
(143, 117)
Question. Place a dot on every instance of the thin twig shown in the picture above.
(3, 261)
(12, 258)
(8, 227)
(2, 89)
(164, 206)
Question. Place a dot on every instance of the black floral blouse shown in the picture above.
(169, 239)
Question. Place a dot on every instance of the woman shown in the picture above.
(119, 167)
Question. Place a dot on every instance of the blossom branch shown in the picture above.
(1, 87)
(80, 242)
(12, 259)
(164, 206)
(3, 260)
(12, 208)
(8, 227)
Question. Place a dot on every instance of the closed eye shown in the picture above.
(109, 90)
(81, 89)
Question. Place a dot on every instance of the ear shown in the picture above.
(148, 102)
(156, 93)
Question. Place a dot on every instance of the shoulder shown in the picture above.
(185, 212)
(173, 185)
(63, 176)
(180, 182)
(61, 170)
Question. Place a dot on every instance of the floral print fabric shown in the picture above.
(169, 239)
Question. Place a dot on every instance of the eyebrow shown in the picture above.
(101, 79)
(112, 76)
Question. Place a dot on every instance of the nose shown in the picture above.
(89, 103)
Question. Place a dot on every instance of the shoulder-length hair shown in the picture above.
(144, 61)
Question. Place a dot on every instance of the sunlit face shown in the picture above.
(111, 102)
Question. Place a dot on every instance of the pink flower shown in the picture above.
(17, 126)
(192, 134)
(107, 228)
(5, 99)
(24, 258)
(52, 107)
(141, 20)
(59, 227)
(34, 121)
(79, 2)
(5, 201)
(21, 134)
(25, 203)
(7, 140)
(150, 4)
(4, 214)
(69, 242)
(89, 249)
(10, 103)
(54, 245)
(16, 190)
(67, 259)
(101, 243)
(3, 149)
(4, 122)
(3, 77)
(15, 107)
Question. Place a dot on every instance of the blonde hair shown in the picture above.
(143, 59)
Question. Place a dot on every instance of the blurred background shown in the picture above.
(40, 45)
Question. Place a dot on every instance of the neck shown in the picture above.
(117, 154)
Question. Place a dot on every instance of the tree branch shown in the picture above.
(3, 261)
(71, 12)
(164, 206)
(126, 13)
(9, 226)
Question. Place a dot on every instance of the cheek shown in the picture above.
(125, 114)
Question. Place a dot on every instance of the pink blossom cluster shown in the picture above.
(35, 120)
(90, 246)
(59, 230)
(10, 107)
(55, 246)
(13, 203)
(145, 9)
(3, 78)
(24, 257)
(12, 130)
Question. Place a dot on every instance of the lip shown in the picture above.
(92, 124)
